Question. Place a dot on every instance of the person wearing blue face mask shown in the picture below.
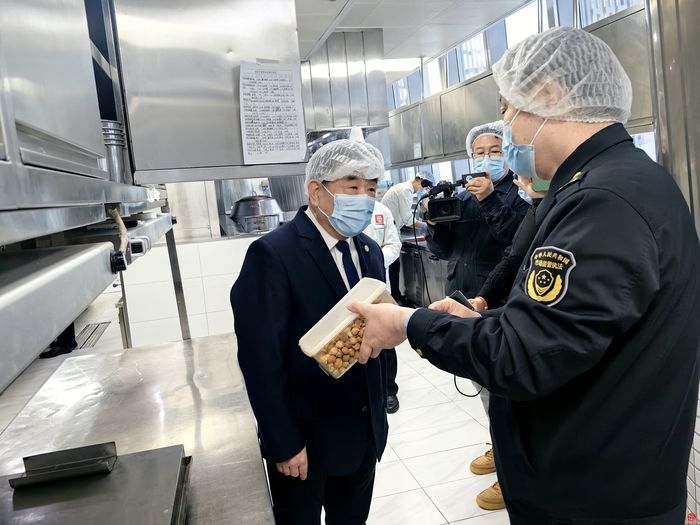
(592, 362)
(490, 213)
(321, 436)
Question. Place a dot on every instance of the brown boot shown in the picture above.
(483, 464)
(491, 498)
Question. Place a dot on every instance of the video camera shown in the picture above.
(448, 208)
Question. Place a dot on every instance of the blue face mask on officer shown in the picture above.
(351, 213)
(521, 157)
(493, 164)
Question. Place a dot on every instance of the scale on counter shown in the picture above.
(93, 485)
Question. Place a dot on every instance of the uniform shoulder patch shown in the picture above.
(548, 276)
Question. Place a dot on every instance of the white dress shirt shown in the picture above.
(399, 200)
(335, 252)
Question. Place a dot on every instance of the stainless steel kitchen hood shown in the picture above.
(181, 66)
(344, 84)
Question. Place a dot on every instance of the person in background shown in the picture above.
(321, 436)
(490, 213)
(493, 294)
(382, 230)
(399, 200)
(593, 361)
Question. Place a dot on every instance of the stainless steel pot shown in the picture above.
(256, 213)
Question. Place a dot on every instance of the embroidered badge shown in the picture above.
(548, 277)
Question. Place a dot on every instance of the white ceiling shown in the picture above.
(316, 18)
(412, 28)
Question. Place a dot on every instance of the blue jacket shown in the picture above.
(288, 282)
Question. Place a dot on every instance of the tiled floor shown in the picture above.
(424, 477)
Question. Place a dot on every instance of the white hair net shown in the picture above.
(492, 128)
(344, 157)
(565, 74)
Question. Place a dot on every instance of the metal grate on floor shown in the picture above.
(90, 335)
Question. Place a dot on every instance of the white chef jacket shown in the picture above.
(384, 232)
(399, 200)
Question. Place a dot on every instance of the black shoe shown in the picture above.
(392, 404)
(57, 350)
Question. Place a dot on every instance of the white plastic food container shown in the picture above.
(337, 325)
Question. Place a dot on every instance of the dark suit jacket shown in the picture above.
(288, 282)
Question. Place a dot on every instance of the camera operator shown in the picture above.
(490, 212)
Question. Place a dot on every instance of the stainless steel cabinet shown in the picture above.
(435, 278)
(431, 122)
(405, 135)
(46, 50)
(412, 274)
(466, 107)
(628, 38)
(423, 274)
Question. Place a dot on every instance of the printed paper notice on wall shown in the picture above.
(272, 114)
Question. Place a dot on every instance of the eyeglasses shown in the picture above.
(494, 155)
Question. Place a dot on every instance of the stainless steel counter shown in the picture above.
(188, 392)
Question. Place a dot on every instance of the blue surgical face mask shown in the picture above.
(520, 157)
(524, 196)
(494, 166)
(351, 213)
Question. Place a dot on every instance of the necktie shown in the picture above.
(350, 269)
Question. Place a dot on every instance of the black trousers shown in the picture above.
(392, 367)
(346, 499)
(394, 277)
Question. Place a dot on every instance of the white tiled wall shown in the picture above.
(694, 471)
(208, 270)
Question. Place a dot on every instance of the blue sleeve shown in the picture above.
(260, 299)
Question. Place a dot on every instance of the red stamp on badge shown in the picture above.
(379, 219)
(692, 519)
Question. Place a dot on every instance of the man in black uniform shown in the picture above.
(593, 361)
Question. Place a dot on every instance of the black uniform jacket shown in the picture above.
(474, 245)
(593, 361)
(288, 282)
(500, 281)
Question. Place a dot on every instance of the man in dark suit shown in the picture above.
(321, 436)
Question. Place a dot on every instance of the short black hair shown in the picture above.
(426, 183)
(418, 177)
